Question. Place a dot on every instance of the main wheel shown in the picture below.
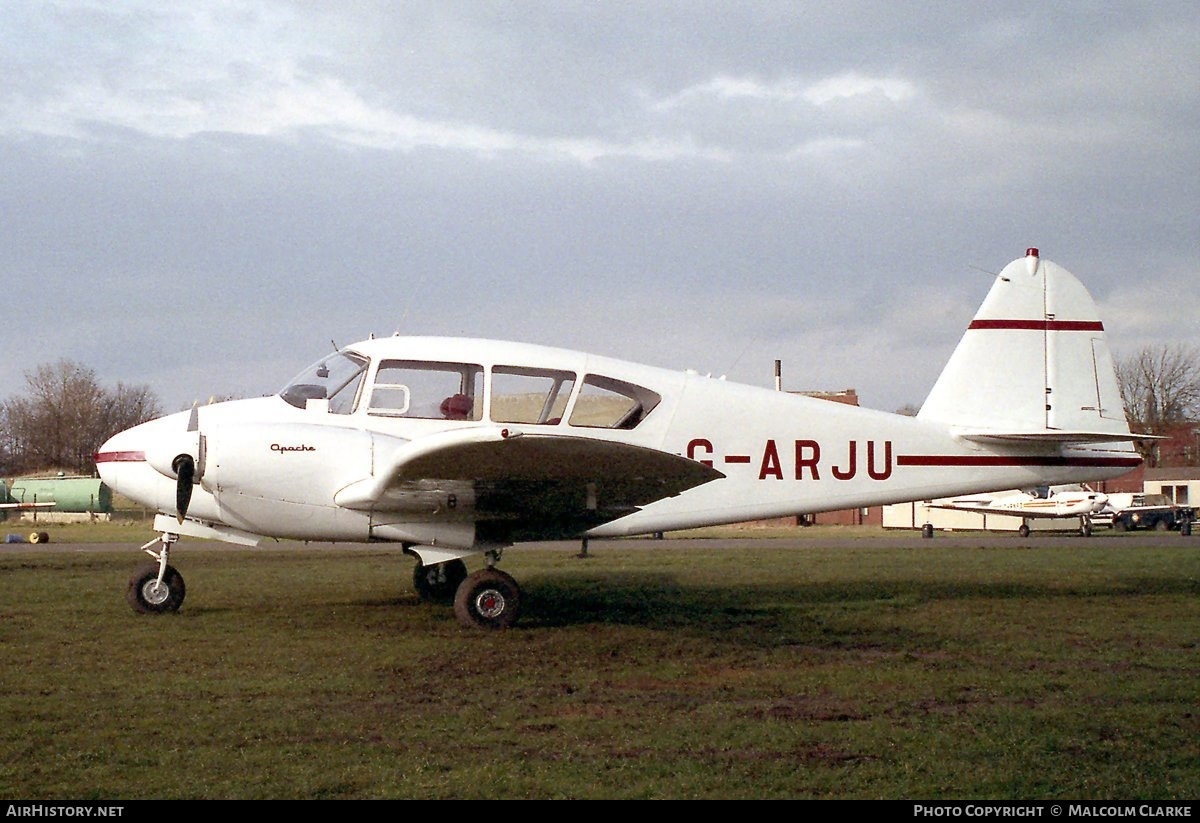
(487, 599)
(147, 596)
(438, 582)
(1023, 530)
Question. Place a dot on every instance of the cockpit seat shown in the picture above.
(456, 407)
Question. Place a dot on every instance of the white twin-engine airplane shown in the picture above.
(458, 447)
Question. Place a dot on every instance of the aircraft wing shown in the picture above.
(505, 475)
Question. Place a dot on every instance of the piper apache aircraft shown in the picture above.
(1043, 502)
(453, 448)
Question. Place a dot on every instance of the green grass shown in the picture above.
(643, 672)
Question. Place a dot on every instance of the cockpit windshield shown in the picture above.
(336, 378)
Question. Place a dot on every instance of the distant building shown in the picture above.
(847, 396)
(1181, 484)
(1182, 448)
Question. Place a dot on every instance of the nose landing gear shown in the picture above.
(156, 588)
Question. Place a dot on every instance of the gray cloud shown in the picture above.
(201, 196)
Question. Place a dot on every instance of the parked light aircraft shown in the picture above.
(1044, 502)
(457, 447)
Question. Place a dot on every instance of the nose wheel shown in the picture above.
(156, 588)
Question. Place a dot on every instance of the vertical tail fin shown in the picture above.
(1033, 364)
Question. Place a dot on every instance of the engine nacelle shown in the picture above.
(295, 462)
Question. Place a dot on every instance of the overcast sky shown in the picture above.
(200, 197)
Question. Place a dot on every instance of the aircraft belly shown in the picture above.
(289, 520)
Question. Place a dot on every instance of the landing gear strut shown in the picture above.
(156, 588)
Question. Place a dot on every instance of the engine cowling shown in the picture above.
(293, 462)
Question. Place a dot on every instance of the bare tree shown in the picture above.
(1160, 387)
(64, 415)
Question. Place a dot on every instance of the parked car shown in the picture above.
(1152, 511)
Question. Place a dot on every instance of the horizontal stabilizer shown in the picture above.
(1052, 436)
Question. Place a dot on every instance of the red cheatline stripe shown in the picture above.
(1039, 325)
(996, 460)
(119, 457)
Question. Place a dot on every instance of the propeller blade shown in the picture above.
(185, 472)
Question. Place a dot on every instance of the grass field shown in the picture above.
(812, 669)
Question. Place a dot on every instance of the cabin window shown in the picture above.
(526, 395)
(338, 379)
(437, 391)
(607, 403)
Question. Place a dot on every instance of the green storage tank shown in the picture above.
(70, 494)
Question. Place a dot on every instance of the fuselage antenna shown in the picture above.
(985, 271)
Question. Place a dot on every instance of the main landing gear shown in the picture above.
(1085, 527)
(486, 599)
(489, 599)
(157, 587)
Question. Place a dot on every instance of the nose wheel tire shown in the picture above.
(147, 596)
(487, 599)
(438, 582)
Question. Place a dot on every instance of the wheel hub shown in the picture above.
(155, 593)
(490, 603)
